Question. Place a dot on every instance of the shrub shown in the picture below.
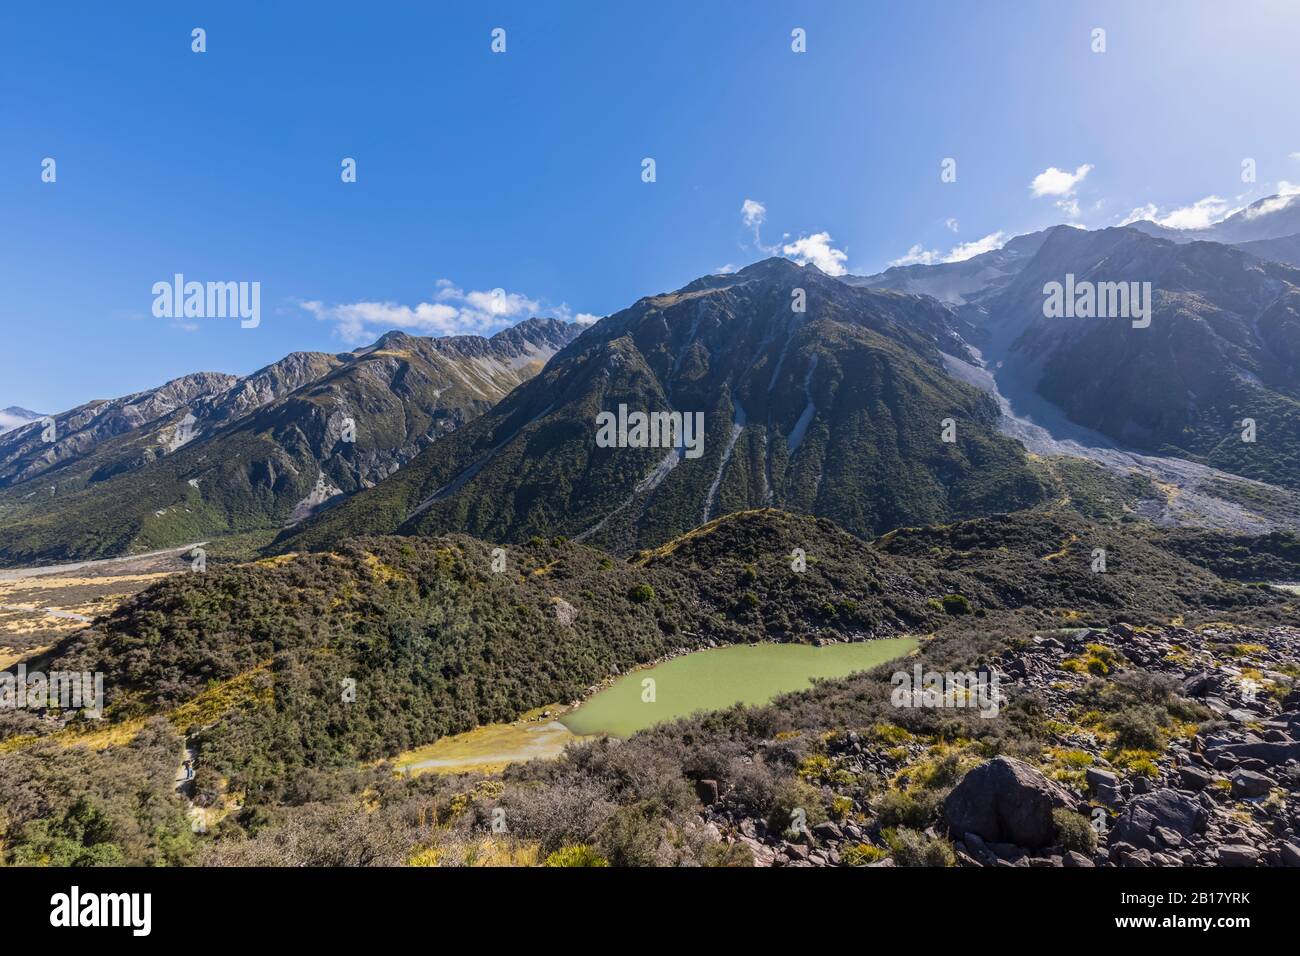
(941, 770)
(641, 593)
(841, 807)
(1074, 832)
(795, 795)
(575, 855)
(1136, 761)
(1138, 728)
(630, 836)
(913, 848)
(899, 808)
(956, 604)
(862, 854)
(727, 854)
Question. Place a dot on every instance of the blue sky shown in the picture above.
(521, 171)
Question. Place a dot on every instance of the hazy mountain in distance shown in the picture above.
(1286, 249)
(1223, 346)
(952, 282)
(1270, 218)
(15, 415)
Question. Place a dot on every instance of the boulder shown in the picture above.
(707, 791)
(1198, 685)
(1273, 754)
(1247, 783)
(1005, 801)
(1135, 858)
(1194, 778)
(1234, 854)
(828, 831)
(1161, 808)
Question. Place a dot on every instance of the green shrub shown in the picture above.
(641, 593)
(795, 795)
(899, 808)
(913, 848)
(578, 854)
(1137, 728)
(728, 854)
(862, 854)
(956, 604)
(630, 836)
(1074, 831)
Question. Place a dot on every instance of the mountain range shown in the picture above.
(904, 398)
(211, 454)
(838, 411)
(921, 453)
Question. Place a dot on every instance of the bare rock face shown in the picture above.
(1006, 801)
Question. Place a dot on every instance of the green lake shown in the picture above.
(716, 679)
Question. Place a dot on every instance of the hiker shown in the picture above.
(189, 770)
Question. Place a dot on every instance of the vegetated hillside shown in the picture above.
(264, 451)
(438, 642)
(251, 662)
(1043, 564)
(837, 411)
(1270, 558)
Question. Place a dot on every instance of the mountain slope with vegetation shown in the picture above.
(838, 411)
(254, 453)
(251, 663)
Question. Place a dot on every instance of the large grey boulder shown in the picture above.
(1162, 808)
(1005, 801)
(1247, 783)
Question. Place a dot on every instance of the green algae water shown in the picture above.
(716, 679)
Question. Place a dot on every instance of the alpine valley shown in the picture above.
(425, 555)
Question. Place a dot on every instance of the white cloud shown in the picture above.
(1294, 156)
(726, 270)
(1199, 215)
(1058, 182)
(1149, 211)
(919, 255)
(753, 214)
(9, 422)
(586, 318)
(951, 224)
(1286, 193)
(818, 250)
(453, 311)
(968, 250)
